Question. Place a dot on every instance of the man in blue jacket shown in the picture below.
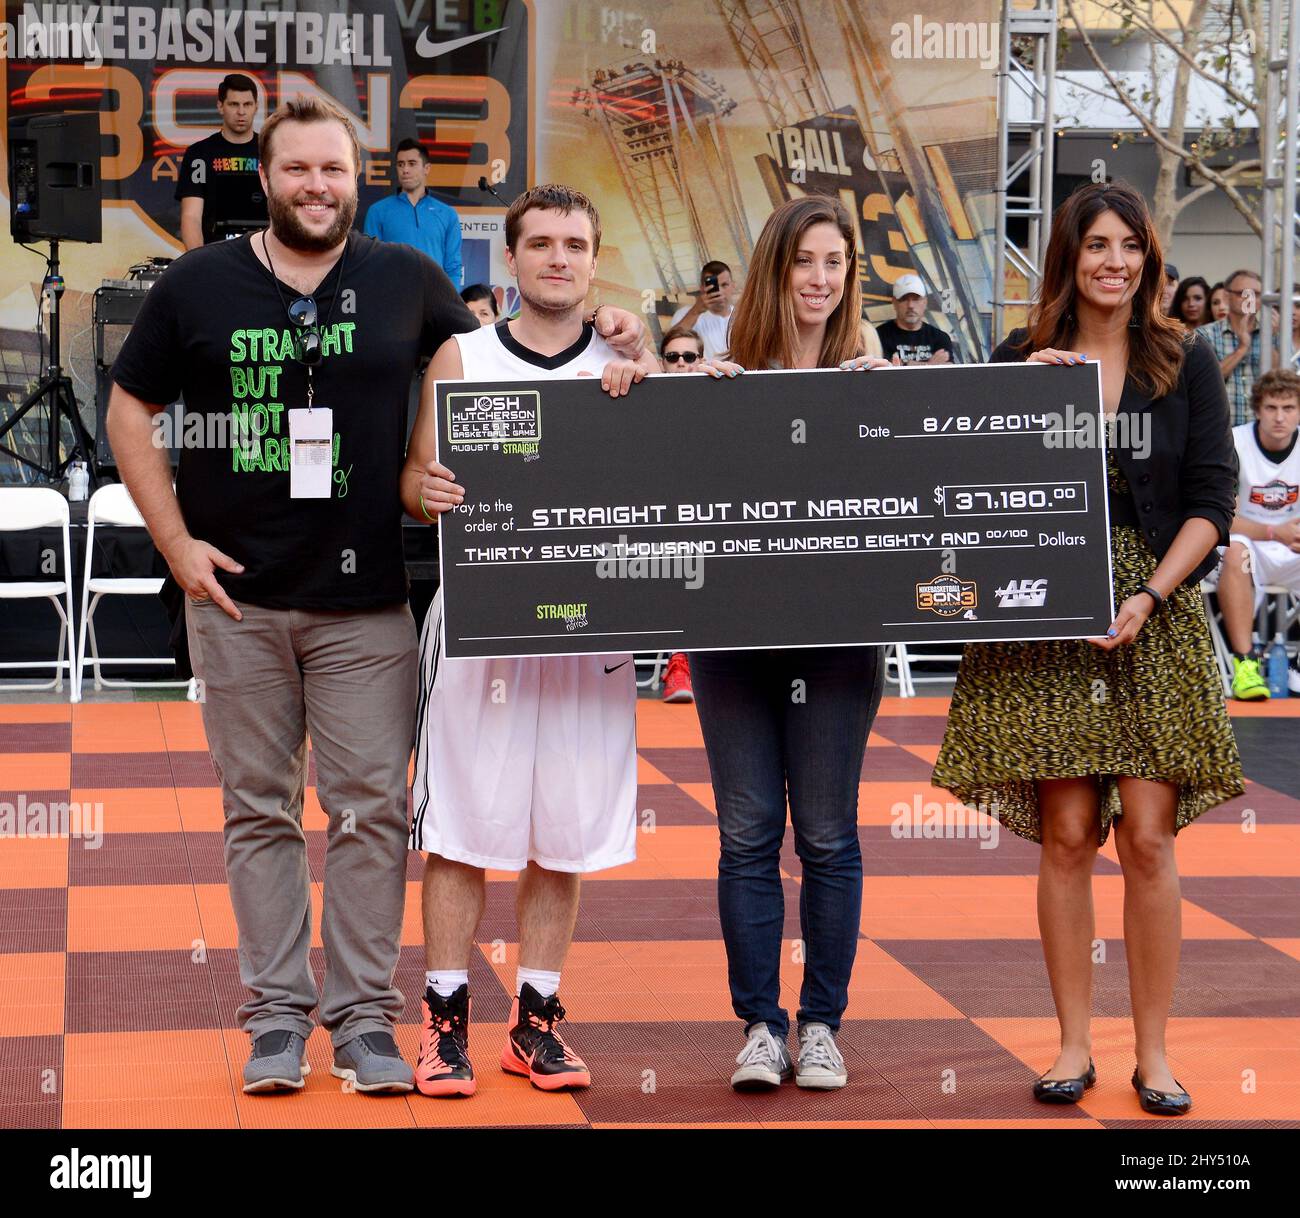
(415, 217)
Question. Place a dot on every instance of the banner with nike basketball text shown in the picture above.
(903, 505)
(686, 121)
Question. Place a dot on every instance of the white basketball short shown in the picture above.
(1271, 564)
(521, 759)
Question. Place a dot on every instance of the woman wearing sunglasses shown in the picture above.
(791, 722)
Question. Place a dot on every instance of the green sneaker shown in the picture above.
(1247, 683)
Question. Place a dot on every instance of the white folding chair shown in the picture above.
(113, 505)
(23, 508)
(656, 662)
(897, 660)
(1222, 652)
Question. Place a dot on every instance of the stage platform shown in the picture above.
(119, 981)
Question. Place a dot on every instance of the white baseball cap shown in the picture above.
(909, 283)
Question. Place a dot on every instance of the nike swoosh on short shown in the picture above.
(616, 667)
(424, 45)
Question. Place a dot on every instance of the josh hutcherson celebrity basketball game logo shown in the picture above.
(506, 422)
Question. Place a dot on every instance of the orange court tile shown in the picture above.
(31, 993)
(112, 918)
(182, 724)
(882, 803)
(879, 987)
(661, 725)
(134, 809)
(35, 771)
(200, 809)
(122, 1080)
(646, 773)
(1290, 946)
(117, 727)
(36, 712)
(702, 793)
(913, 706)
(322, 1103)
(35, 862)
(926, 752)
(1225, 850)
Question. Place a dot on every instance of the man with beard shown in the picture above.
(294, 348)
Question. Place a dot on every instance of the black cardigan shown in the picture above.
(1191, 466)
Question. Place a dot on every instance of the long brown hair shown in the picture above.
(763, 329)
(1155, 341)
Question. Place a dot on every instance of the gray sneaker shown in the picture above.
(820, 1064)
(371, 1062)
(277, 1062)
(764, 1061)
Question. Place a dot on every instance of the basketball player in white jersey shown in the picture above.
(524, 765)
(1265, 545)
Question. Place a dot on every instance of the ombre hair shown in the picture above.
(1156, 342)
(764, 330)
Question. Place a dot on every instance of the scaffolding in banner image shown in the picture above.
(662, 122)
(771, 38)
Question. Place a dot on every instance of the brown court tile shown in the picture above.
(670, 805)
(31, 1082)
(890, 763)
(1267, 806)
(138, 858)
(142, 991)
(35, 738)
(910, 729)
(33, 919)
(679, 765)
(1268, 907)
(115, 769)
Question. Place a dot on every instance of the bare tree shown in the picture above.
(1219, 42)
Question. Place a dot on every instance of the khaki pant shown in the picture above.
(347, 678)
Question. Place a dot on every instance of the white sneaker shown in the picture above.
(820, 1063)
(764, 1061)
(1293, 680)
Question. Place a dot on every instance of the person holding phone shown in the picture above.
(710, 315)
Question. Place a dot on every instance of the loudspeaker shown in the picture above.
(55, 191)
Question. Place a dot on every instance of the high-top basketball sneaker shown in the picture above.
(535, 1049)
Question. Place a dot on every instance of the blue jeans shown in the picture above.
(773, 721)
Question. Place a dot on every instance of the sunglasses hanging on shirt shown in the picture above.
(303, 313)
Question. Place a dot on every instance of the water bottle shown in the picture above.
(1277, 680)
(79, 484)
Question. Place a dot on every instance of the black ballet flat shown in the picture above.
(1161, 1103)
(1065, 1090)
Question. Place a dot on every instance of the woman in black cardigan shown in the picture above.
(1060, 739)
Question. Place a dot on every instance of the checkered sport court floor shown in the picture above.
(119, 980)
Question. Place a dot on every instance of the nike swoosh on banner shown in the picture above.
(424, 45)
(616, 667)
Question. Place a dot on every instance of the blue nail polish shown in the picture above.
(1111, 633)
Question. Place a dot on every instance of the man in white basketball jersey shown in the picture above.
(1265, 545)
(524, 765)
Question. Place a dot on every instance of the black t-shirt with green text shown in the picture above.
(224, 175)
(214, 331)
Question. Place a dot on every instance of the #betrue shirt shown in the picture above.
(224, 175)
(214, 330)
(913, 346)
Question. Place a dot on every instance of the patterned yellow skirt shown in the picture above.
(1152, 709)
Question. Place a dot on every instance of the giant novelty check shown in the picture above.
(776, 509)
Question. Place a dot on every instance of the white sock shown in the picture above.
(446, 981)
(543, 982)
